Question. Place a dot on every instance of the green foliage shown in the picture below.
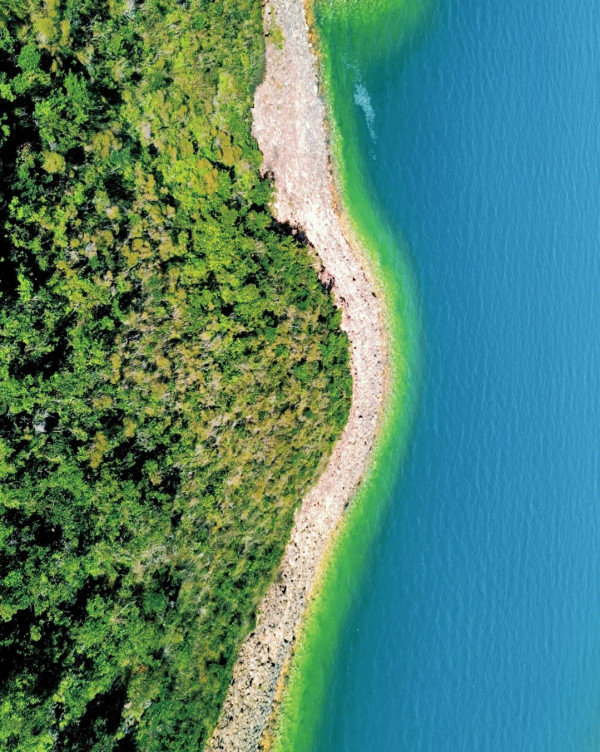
(275, 32)
(172, 374)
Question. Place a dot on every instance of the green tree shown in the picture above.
(172, 373)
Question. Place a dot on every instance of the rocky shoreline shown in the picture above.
(290, 127)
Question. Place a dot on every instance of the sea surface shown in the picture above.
(473, 614)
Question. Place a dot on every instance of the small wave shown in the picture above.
(363, 100)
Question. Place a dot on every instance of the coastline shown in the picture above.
(290, 125)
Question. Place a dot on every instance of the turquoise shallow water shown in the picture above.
(476, 627)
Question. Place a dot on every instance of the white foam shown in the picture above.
(363, 100)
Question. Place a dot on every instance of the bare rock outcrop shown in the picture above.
(290, 127)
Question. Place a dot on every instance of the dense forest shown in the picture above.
(172, 373)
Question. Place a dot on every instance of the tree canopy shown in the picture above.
(172, 373)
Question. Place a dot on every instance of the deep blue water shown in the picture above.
(477, 627)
